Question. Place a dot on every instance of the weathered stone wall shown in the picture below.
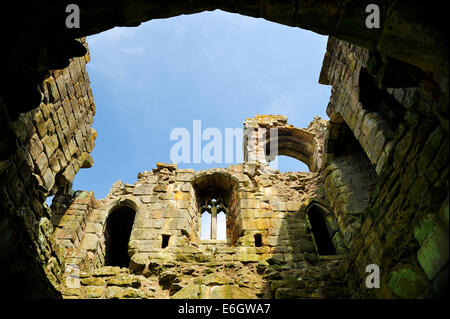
(397, 113)
(166, 201)
(53, 143)
(267, 136)
(348, 179)
(404, 228)
(62, 137)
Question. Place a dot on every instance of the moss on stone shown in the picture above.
(407, 283)
(424, 228)
(433, 254)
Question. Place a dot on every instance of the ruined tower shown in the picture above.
(376, 193)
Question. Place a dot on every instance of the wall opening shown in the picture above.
(351, 153)
(214, 212)
(205, 227)
(230, 67)
(322, 234)
(221, 226)
(348, 145)
(165, 241)
(216, 207)
(258, 240)
(117, 234)
(49, 200)
(286, 163)
(379, 100)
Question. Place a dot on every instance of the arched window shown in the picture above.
(221, 225)
(217, 207)
(213, 211)
(205, 228)
(321, 232)
(117, 234)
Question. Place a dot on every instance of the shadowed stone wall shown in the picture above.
(166, 201)
(53, 142)
(387, 191)
(403, 227)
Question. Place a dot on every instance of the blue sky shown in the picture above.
(216, 67)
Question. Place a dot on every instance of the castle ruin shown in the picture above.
(376, 193)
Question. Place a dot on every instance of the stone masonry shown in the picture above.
(54, 142)
(167, 202)
(377, 191)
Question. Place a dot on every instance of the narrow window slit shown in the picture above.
(165, 241)
(320, 232)
(258, 240)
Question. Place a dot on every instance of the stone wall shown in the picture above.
(53, 142)
(63, 136)
(386, 192)
(166, 201)
(381, 175)
(267, 136)
(404, 226)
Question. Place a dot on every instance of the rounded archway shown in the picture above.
(117, 234)
(321, 230)
(293, 142)
(268, 136)
(216, 205)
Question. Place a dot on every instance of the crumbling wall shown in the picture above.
(404, 226)
(267, 136)
(53, 143)
(167, 202)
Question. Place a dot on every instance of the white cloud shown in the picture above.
(283, 104)
(119, 34)
(112, 50)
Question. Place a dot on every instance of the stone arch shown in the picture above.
(129, 200)
(217, 184)
(126, 200)
(119, 221)
(341, 140)
(219, 179)
(342, 19)
(267, 136)
(53, 44)
(321, 222)
(293, 142)
(321, 204)
(371, 113)
(117, 233)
